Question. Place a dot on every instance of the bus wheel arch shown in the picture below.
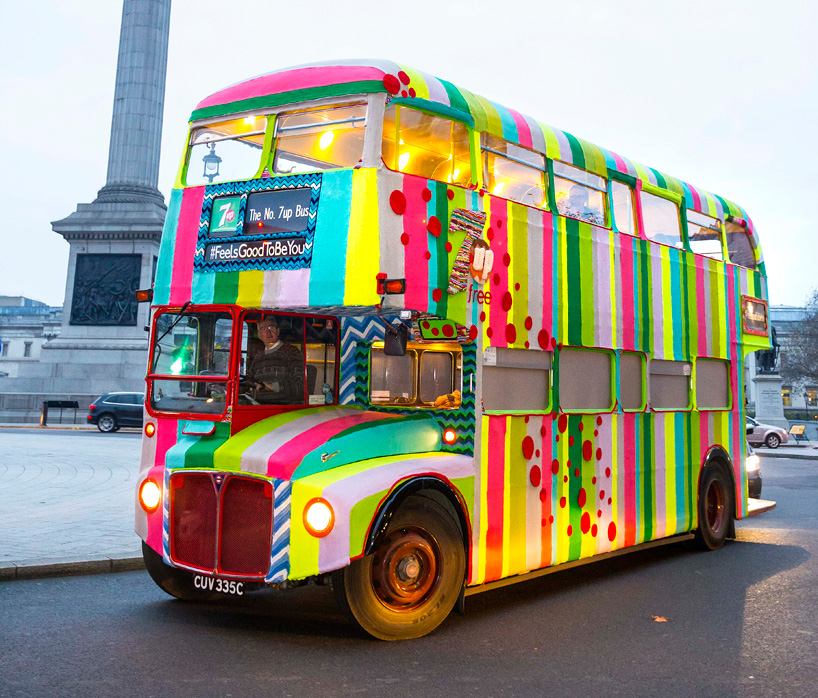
(716, 500)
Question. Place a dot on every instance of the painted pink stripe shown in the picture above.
(549, 291)
(629, 468)
(620, 164)
(414, 227)
(639, 220)
(301, 79)
(735, 364)
(154, 540)
(167, 434)
(628, 317)
(287, 458)
(187, 232)
(705, 436)
(523, 129)
(495, 488)
(498, 318)
(701, 310)
(697, 199)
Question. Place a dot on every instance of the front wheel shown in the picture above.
(773, 441)
(715, 507)
(107, 423)
(410, 582)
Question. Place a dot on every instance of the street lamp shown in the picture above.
(211, 163)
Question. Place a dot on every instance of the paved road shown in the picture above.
(742, 621)
(67, 494)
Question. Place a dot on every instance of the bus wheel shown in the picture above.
(178, 583)
(715, 507)
(410, 582)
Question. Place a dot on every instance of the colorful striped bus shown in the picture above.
(415, 344)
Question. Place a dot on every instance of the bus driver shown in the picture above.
(277, 371)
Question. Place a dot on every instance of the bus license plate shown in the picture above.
(222, 586)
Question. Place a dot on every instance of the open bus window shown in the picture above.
(514, 172)
(739, 245)
(319, 139)
(579, 194)
(273, 360)
(661, 219)
(427, 145)
(225, 152)
(704, 234)
(623, 209)
(426, 376)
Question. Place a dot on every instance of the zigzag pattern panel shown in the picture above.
(280, 551)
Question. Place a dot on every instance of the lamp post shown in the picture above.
(211, 163)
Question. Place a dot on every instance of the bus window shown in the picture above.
(429, 146)
(623, 210)
(319, 139)
(225, 152)
(704, 234)
(739, 245)
(579, 194)
(661, 219)
(631, 381)
(586, 380)
(274, 360)
(712, 384)
(392, 378)
(516, 380)
(670, 385)
(514, 172)
(437, 375)
(321, 361)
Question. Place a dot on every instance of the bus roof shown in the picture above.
(415, 88)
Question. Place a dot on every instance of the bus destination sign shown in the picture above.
(278, 211)
(255, 250)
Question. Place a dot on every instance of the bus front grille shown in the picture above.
(221, 523)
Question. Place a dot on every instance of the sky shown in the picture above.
(723, 95)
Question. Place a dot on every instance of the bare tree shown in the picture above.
(799, 362)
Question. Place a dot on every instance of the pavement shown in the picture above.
(68, 497)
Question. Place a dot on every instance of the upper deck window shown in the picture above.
(739, 245)
(427, 145)
(623, 208)
(319, 139)
(514, 172)
(704, 234)
(225, 152)
(661, 219)
(579, 194)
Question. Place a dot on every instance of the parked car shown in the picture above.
(753, 468)
(114, 410)
(765, 434)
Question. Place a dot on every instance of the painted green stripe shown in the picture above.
(436, 108)
(574, 486)
(660, 179)
(263, 101)
(577, 154)
(648, 477)
(573, 280)
(441, 202)
(200, 454)
(456, 99)
(645, 296)
(586, 267)
(226, 289)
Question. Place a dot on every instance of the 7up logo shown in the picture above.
(225, 215)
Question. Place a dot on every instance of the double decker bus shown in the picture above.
(415, 344)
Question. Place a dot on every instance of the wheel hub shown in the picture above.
(714, 504)
(405, 568)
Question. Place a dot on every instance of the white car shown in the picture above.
(765, 434)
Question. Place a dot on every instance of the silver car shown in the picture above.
(765, 434)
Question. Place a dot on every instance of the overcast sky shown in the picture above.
(721, 94)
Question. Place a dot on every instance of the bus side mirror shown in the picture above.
(394, 340)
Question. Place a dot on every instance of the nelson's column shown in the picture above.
(115, 239)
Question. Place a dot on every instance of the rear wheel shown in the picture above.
(107, 423)
(410, 582)
(715, 507)
(773, 441)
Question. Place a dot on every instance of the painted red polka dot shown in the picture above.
(554, 416)
(527, 344)
(412, 92)
(490, 234)
(404, 93)
(397, 200)
(437, 295)
(435, 332)
(570, 531)
(507, 259)
(599, 513)
(609, 500)
(426, 194)
(434, 226)
(571, 440)
(537, 452)
(576, 472)
(580, 426)
(599, 421)
(489, 332)
(562, 502)
(529, 323)
(482, 316)
(551, 519)
(542, 339)
(602, 494)
(607, 472)
(427, 254)
(482, 192)
(450, 194)
(516, 287)
(544, 521)
(565, 478)
(425, 324)
(555, 466)
(568, 464)
(585, 522)
(599, 454)
(499, 223)
(594, 530)
(404, 238)
(596, 433)
(403, 77)
(557, 437)
(562, 423)
(511, 333)
(582, 498)
(391, 83)
(611, 531)
(543, 495)
(473, 332)
(496, 279)
(542, 430)
(528, 447)
(554, 342)
(526, 421)
(535, 476)
(448, 331)
(507, 301)
(587, 450)
(448, 246)
(593, 480)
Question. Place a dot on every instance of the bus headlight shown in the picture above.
(150, 496)
(319, 517)
(752, 464)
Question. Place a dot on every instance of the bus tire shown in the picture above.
(178, 583)
(412, 579)
(715, 507)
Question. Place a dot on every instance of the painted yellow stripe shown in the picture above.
(416, 82)
(363, 259)
(670, 474)
(552, 144)
(508, 540)
(613, 252)
(251, 286)
(667, 304)
(484, 499)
